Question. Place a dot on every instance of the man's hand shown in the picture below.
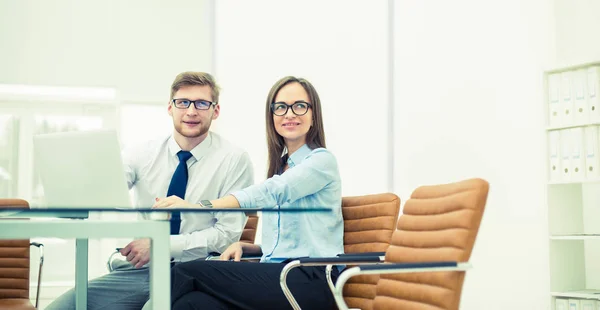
(172, 202)
(137, 252)
(234, 252)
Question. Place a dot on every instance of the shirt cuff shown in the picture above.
(243, 198)
(177, 246)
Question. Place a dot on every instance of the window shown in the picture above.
(9, 132)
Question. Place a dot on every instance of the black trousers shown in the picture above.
(205, 284)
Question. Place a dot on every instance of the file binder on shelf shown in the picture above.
(566, 95)
(565, 154)
(580, 107)
(554, 102)
(577, 154)
(592, 159)
(554, 154)
(593, 87)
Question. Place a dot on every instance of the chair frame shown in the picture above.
(40, 247)
(328, 263)
(387, 268)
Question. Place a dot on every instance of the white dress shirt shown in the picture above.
(216, 169)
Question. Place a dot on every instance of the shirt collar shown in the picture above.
(298, 156)
(198, 152)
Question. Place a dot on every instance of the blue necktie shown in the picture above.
(177, 187)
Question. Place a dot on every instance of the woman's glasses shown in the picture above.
(281, 108)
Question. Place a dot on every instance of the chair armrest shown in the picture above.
(389, 269)
(245, 256)
(343, 260)
(362, 254)
(413, 267)
(40, 246)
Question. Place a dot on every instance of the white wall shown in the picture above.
(469, 104)
(577, 26)
(135, 46)
(468, 88)
(340, 46)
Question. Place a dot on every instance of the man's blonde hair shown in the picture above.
(190, 78)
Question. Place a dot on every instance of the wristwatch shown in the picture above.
(206, 203)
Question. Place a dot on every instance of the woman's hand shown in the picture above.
(172, 202)
(234, 252)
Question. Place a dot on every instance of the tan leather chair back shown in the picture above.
(369, 222)
(439, 223)
(14, 263)
(249, 233)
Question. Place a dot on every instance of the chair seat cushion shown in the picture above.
(16, 304)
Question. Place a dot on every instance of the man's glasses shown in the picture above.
(299, 108)
(199, 104)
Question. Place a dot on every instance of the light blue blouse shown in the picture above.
(312, 180)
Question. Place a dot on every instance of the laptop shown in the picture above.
(81, 170)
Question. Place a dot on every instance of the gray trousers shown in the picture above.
(125, 288)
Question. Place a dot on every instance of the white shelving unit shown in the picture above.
(572, 107)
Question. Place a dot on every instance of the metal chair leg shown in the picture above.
(39, 281)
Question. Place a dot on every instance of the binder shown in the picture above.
(561, 304)
(554, 155)
(588, 304)
(574, 304)
(592, 147)
(566, 95)
(565, 154)
(554, 105)
(580, 107)
(577, 154)
(593, 89)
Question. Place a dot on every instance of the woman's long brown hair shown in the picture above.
(315, 138)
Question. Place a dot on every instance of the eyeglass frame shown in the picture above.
(289, 106)
(193, 102)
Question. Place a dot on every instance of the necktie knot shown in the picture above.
(184, 156)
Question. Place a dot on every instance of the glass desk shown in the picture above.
(73, 223)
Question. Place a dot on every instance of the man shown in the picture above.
(191, 164)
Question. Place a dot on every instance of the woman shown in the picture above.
(302, 174)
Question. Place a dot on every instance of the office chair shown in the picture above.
(369, 222)
(15, 267)
(249, 233)
(426, 262)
